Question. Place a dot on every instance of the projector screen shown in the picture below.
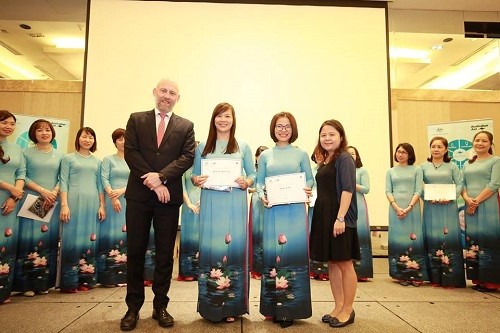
(317, 62)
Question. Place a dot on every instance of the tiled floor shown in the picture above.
(381, 306)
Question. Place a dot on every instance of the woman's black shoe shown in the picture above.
(334, 322)
(326, 318)
(286, 323)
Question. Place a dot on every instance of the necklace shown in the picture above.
(437, 166)
(43, 150)
(85, 156)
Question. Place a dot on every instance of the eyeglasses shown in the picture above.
(280, 127)
(402, 152)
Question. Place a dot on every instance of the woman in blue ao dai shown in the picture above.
(112, 262)
(440, 218)
(190, 229)
(285, 288)
(36, 265)
(256, 225)
(82, 207)
(481, 183)
(223, 272)
(12, 174)
(363, 267)
(403, 185)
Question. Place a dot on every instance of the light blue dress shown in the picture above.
(256, 228)
(190, 230)
(223, 276)
(80, 178)
(112, 262)
(36, 264)
(363, 267)
(285, 286)
(407, 255)
(9, 172)
(442, 229)
(483, 227)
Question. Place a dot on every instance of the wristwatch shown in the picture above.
(340, 219)
(162, 177)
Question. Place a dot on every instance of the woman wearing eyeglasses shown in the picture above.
(403, 185)
(285, 288)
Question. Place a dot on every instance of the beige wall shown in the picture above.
(413, 110)
(52, 99)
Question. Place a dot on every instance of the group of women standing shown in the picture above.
(428, 247)
(280, 233)
(92, 233)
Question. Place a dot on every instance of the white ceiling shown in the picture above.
(416, 24)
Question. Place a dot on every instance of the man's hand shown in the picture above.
(152, 180)
(162, 193)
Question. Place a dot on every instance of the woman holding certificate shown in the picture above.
(481, 184)
(223, 168)
(112, 268)
(285, 286)
(36, 263)
(403, 186)
(334, 237)
(82, 207)
(12, 174)
(441, 226)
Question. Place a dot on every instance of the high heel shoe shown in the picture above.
(334, 322)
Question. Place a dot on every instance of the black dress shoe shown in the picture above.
(129, 321)
(163, 317)
(334, 322)
(286, 323)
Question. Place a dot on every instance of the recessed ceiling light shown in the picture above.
(447, 40)
(436, 47)
(25, 26)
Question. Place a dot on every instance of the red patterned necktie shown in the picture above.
(161, 129)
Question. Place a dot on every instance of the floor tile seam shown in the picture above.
(401, 318)
(77, 318)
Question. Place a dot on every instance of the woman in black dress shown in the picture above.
(333, 232)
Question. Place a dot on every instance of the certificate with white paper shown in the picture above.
(440, 192)
(24, 210)
(286, 189)
(221, 171)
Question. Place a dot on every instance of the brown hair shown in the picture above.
(117, 133)
(232, 145)
(446, 158)
(38, 124)
(4, 114)
(343, 143)
(490, 137)
(357, 161)
(293, 123)
(89, 131)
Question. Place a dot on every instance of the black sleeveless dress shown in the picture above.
(323, 246)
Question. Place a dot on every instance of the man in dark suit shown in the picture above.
(159, 148)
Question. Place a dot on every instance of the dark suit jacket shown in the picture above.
(142, 154)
